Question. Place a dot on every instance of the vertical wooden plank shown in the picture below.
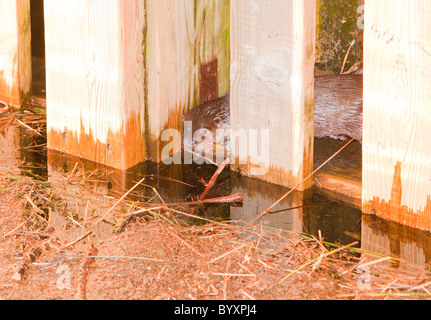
(95, 79)
(182, 35)
(15, 51)
(397, 119)
(272, 68)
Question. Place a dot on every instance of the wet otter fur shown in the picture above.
(337, 109)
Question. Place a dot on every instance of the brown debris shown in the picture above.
(59, 242)
(158, 256)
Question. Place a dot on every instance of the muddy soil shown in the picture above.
(156, 256)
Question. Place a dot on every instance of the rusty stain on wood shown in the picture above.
(112, 153)
(208, 81)
(395, 211)
(340, 188)
(272, 174)
(154, 143)
(278, 175)
(9, 94)
(16, 71)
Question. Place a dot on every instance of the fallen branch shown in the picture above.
(233, 198)
(214, 178)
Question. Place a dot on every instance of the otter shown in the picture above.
(337, 111)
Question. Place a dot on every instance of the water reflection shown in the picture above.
(23, 153)
(398, 241)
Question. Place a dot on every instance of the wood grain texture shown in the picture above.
(95, 79)
(15, 51)
(272, 63)
(397, 117)
(182, 35)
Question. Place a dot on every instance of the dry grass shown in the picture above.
(150, 252)
(69, 240)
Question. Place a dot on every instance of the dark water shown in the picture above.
(310, 213)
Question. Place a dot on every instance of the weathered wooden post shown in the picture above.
(15, 51)
(272, 69)
(95, 79)
(121, 72)
(397, 111)
(182, 37)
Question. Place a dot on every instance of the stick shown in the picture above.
(119, 200)
(227, 253)
(14, 229)
(35, 208)
(372, 262)
(214, 178)
(237, 197)
(316, 259)
(28, 127)
(78, 239)
(305, 179)
(233, 274)
(345, 57)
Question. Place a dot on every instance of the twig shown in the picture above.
(72, 172)
(118, 201)
(227, 253)
(305, 179)
(134, 213)
(236, 197)
(233, 274)
(198, 217)
(388, 286)
(233, 198)
(316, 259)
(214, 178)
(347, 54)
(158, 195)
(184, 241)
(367, 264)
(247, 295)
(35, 208)
(47, 264)
(422, 286)
(28, 127)
(14, 229)
(78, 239)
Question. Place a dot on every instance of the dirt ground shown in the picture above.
(155, 256)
